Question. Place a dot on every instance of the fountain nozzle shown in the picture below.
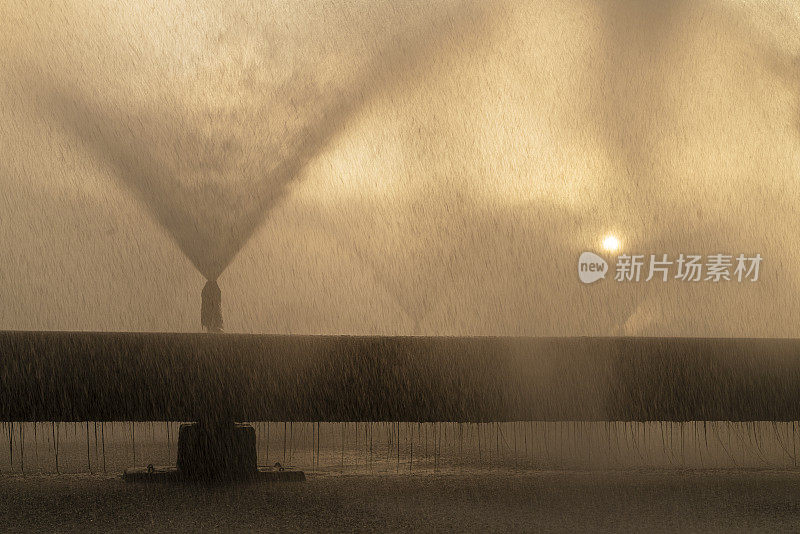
(211, 308)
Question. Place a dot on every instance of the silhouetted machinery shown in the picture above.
(220, 451)
(215, 447)
(218, 379)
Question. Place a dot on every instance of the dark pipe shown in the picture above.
(94, 376)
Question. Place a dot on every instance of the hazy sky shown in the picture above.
(397, 167)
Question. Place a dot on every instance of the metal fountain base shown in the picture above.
(172, 475)
(218, 452)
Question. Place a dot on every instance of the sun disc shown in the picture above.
(611, 243)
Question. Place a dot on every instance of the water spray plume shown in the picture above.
(173, 165)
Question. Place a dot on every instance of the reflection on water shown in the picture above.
(415, 448)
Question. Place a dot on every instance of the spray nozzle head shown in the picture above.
(211, 307)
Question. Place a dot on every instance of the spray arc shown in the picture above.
(212, 192)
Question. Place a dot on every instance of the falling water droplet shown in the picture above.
(36, 445)
(103, 440)
(55, 443)
(11, 444)
(88, 456)
(22, 447)
(95, 441)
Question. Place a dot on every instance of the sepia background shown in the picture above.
(373, 167)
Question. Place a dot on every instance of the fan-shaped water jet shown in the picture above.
(168, 159)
